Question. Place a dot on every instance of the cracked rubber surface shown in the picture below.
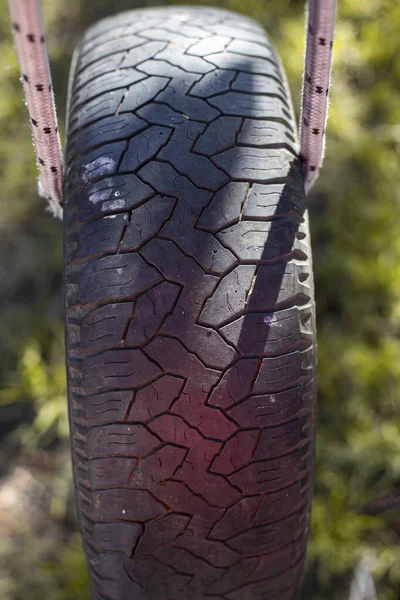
(189, 310)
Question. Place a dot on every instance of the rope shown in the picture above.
(316, 82)
(33, 59)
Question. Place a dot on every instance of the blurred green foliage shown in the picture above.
(355, 222)
(43, 567)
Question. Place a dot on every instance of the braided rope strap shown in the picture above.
(33, 59)
(316, 82)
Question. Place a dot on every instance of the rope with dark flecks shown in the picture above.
(33, 59)
(316, 82)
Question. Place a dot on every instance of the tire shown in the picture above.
(189, 310)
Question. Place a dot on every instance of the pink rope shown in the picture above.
(32, 54)
(316, 82)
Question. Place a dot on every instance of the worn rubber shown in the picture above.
(189, 310)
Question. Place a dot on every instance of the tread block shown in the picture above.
(259, 132)
(105, 326)
(216, 490)
(211, 17)
(274, 200)
(166, 180)
(235, 384)
(111, 473)
(120, 276)
(103, 408)
(269, 538)
(127, 505)
(217, 43)
(107, 82)
(180, 498)
(214, 552)
(258, 164)
(246, 105)
(99, 162)
(112, 194)
(156, 578)
(168, 29)
(141, 53)
(281, 504)
(146, 221)
(156, 398)
(142, 21)
(161, 114)
(107, 64)
(258, 202)
(266, 334)
(209, 421)
(187, 62)
(215, 82)
(225, 207)
(220, 135)
(173, 429)
(264, 241)
(175, 358)
(120, 439)
(278, 441)
(271, 410)
(116, 537)
(237, 452)
(236, 519)
(258, 569)
(198, 245)
(191, 108)
(162, 532)
(144, 146)
(281, 587)
(117, 585)
(165, 69)
(278, 373)
(194, 470)
(279, 286)
(176, 266)
(269, 476)
(111, 128)
(142, 92)
(150, 311)
(118, 368)
(74, 334)
(206, 343)
(248, 48)
(203, 573)
(236, 62)
(178, 153)
(201, 245)
(116, 472)
(258, 84)
(95, 110)
(96, 51)
(233, 31)
(230, 298)
(101, 236)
